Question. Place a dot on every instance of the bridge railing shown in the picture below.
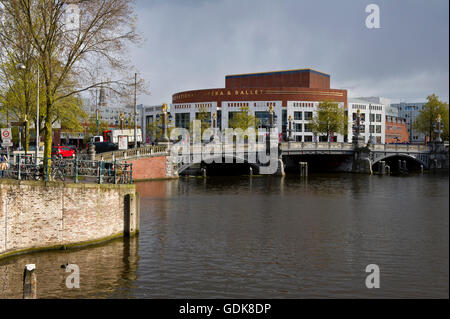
(317, 146)
(401, 148)
(146, 151)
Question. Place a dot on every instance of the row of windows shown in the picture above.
(358, 106)
(376, 107)
(303, 104)
(375, 129)
(395, 119)
(302, 128)
(183, 106)
(298, 116)
(238, 104)
(394, 128)
(203, 105)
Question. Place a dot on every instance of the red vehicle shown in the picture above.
(63, 151)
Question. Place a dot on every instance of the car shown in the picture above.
(73, 147)
(63, 151)
(104, 147)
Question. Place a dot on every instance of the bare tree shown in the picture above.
(69, 37)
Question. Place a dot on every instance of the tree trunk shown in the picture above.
(48, 138)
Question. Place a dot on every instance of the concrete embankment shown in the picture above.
(40, 216)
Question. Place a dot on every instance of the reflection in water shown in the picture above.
(265, 237)
(106, 271)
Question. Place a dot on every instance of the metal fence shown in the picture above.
(77, 170)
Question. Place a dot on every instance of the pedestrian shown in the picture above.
(3, 165)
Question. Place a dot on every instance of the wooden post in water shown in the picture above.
(29, 282)
(388, 170)
(405, 168)
(303, 169)
(382, 168)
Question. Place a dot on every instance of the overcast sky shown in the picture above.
(193, 44)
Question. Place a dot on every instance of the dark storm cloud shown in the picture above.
(194, 44)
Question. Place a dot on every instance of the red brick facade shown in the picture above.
(396, 130)
(295, 85)
(148, 168)
(294, 78)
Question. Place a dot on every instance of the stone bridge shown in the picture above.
(158, 161)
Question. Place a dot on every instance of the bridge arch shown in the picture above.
(236, 160)
(392, 160)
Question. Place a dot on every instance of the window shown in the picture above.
(372, 117)
(298, 116)
(308, 116)
(378, 117)
(308, 138)
(378, 128)
(307, 128)
(298, 127)
(298, 138)
(372, 129)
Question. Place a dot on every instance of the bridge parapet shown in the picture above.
(147, 151)
(400, 148)
(320, 146)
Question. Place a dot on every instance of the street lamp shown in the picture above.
(439, 129)
(22, 67)
(164, 138)
(214, 120)
(271, 111)
(290, 128)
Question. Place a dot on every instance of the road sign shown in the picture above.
(6, 134)
(7, 144)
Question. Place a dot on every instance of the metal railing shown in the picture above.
(75, 170)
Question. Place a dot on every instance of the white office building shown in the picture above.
(373, 118)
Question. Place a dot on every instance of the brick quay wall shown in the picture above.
(40, 216)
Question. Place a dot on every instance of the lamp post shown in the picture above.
(214, 120)
(290, 128)
(271, 111)
(122, 118)
(22, 67)
(439, 129)
(164, 138)
(135, 110)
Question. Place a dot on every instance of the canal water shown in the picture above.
(265, 237)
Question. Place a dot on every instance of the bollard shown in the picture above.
(29, 282)
(303, 169)
(76, 170)
(422, 169)
(251, 171)
(382, 168)
(204, 172)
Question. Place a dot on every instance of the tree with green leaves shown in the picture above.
(330, 118)
(426, 121)
(155, 129)
(205, 119)
(243, 120)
